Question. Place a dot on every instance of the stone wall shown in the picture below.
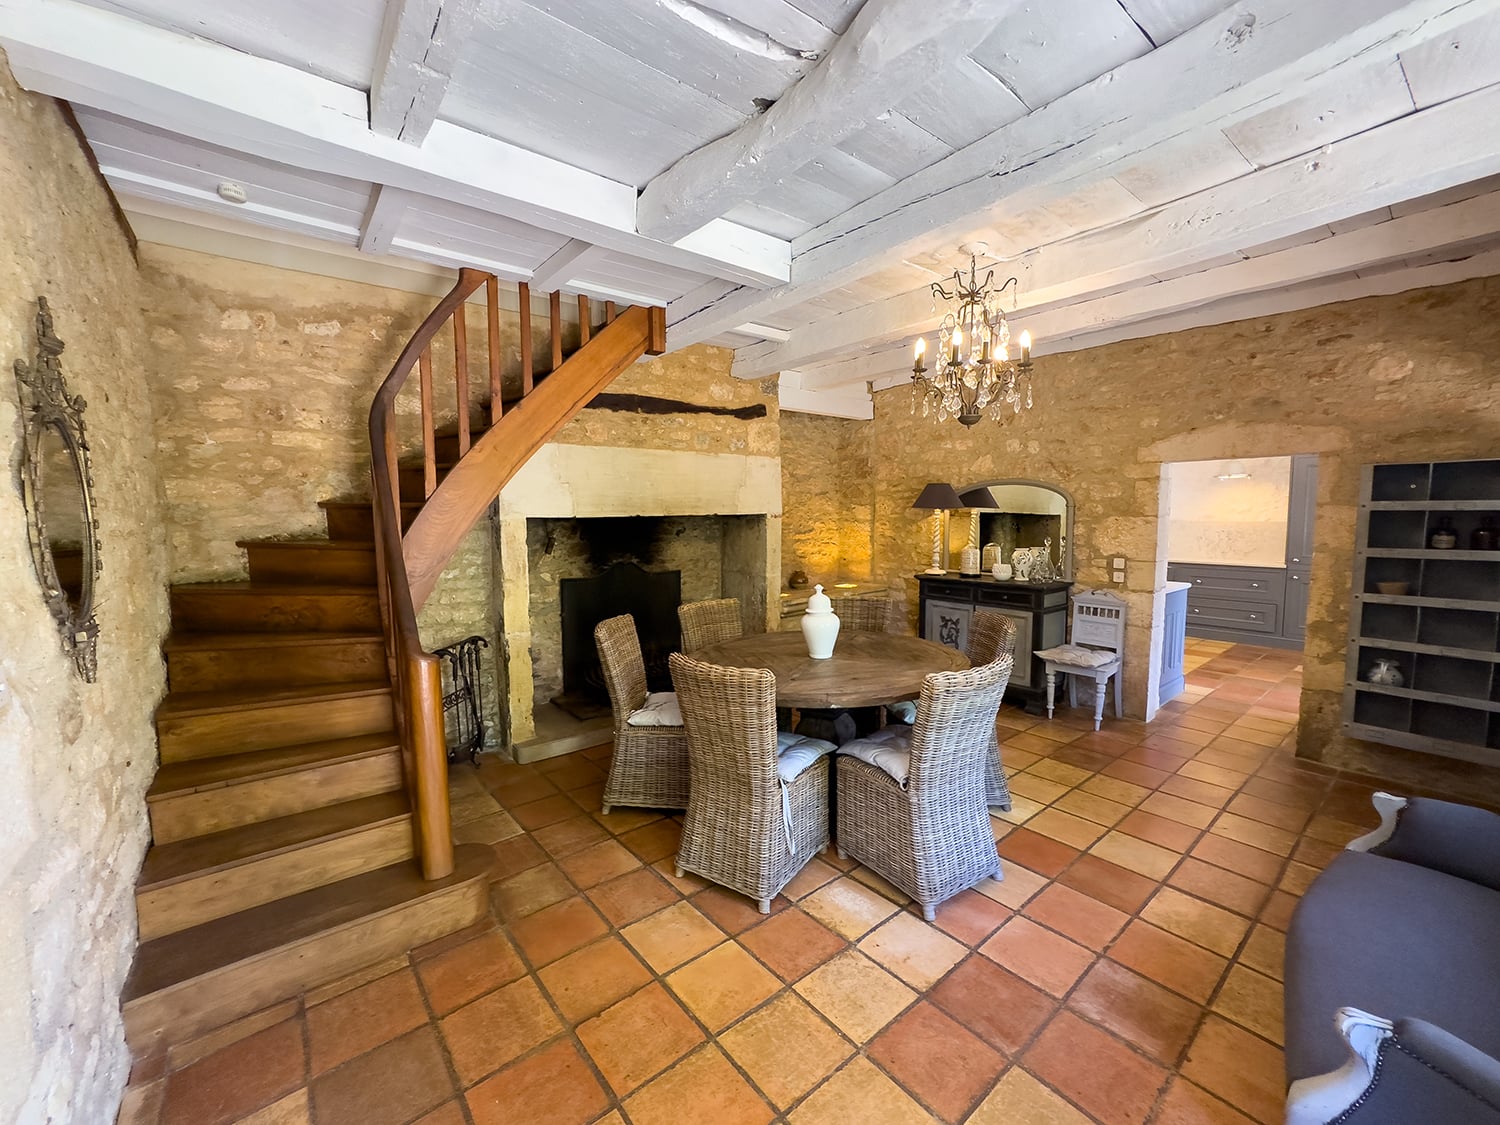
(827, 497)
(76, 757)
(1408, 377)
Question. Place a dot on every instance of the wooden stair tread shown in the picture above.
(180, 703)
(189, 640)
(168, 863)
(306, 544)
(177, 778)
(178, 958)
(361, 502)
(275, 589)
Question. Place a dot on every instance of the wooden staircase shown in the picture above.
(299, 818)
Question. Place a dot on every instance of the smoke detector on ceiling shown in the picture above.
(231, 192)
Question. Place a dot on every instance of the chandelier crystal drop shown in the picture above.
(972, 371)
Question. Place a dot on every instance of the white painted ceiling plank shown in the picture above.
(128, 185)
(850, 402)
(1453, 64)
(1165, 20)
(836, 15)
(894, 145)
(891, 47)
(572, 259)
(962, 104)
(1238, 63)
(187, 86)
(382, 219)
(419, 42)
(1182, 166)
(1042, 51)
(1275, 203)
(780, 20)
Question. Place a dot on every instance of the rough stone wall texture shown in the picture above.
(459, 607)
(827, 496)
(76, 757)
(1407, 377)
(690, 544)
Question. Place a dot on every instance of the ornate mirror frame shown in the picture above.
(1065, 545)
(47, 407)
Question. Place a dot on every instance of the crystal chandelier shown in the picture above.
(973, 369)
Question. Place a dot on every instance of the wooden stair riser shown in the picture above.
(268, 610)
(356, 522)
(273, 665)
(212, 735)
(198, 813)
(217, 893)
(185, 1010)
(334, 564)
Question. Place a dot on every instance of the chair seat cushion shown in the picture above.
(888, 749)
(659, 710)
(795, 752)
(1078, 656)
(903, 712)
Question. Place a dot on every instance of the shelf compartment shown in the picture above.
(1400, 482)
(1444, 747)
(1433, 505)
(1405, 528)
(1388, 622)
(1458, 628)
(1494, 742)
(1415, 647)
(1388, 712)
(1451, 676)
(1460, 480)
(1460, 580)
(1381, 569)
(1432, 553)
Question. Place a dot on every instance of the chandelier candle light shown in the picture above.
(973, 371)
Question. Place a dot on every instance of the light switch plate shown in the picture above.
(1117, 563)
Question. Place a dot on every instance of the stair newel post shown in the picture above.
(461, 375)
(429, 752)
(492, 309)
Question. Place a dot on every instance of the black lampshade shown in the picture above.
(979, 498)
(943, 496)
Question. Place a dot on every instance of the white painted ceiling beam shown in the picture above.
(845, 402)
(1455, 226)
(387, 207)
(1363, 173)
(566, 263)
(892, 48)
(420, 41)
(1249, 58)
(200, 89)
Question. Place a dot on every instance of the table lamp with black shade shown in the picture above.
(938, 498)
(975, 500)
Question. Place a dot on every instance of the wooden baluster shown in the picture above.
(393, 464)
(583, 320)
(461, 375)
(492, 306)
(609, 312)
(526, 375)
(429, 439)
(555, 311)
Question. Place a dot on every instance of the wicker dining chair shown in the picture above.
(749, 826)
(928, 833)
(708, 623)
(991, 636)
(650, 764)
(868, 615)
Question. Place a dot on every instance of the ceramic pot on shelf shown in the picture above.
(1444, 538)
(1385, 672)
(820, 625)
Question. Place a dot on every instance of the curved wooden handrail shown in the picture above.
(415, 674)
(408, 565)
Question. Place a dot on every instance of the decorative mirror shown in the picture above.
(1028, 514)
(57, 488)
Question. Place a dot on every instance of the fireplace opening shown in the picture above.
(651, 597)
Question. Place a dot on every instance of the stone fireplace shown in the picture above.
(578, 512)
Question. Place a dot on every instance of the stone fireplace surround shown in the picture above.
(584, 482)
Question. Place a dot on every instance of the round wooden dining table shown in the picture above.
(865, 670)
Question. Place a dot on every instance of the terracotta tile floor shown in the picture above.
(1127, 970)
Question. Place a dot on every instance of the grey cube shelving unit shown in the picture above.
(1444, 632)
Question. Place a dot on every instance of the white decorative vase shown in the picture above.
(820, 625)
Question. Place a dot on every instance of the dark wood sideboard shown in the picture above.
(1039, 609)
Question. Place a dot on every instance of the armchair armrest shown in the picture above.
(1406, 1071)
(1455, 839)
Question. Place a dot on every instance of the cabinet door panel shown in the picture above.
(947, 623)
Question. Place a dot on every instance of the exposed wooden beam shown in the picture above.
(420, 41)
(1354, 176)
(383, 218)
(1239, 63)
(892, 48)
(846, 402)
(1456, 228)
(201, 89)
(566, 263)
